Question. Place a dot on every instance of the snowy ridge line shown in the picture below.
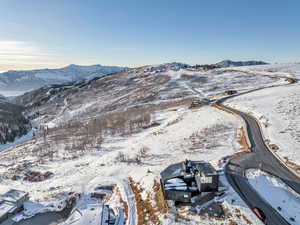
(262, 73)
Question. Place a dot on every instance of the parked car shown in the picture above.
(259, 213)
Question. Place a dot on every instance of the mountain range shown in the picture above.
(14, 83)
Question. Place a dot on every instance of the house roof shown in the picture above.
(13, 196)
(177, 170)
(6, 207)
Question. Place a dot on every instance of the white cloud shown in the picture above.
(15, 47)
(25, 55)
(14, 50)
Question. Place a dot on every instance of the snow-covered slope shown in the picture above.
(18, 82)
(202, 134)
(131, 124)
(133, 88)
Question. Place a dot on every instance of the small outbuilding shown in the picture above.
(11, 203)
(16, 197)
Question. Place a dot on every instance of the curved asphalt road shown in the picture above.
(260, 158)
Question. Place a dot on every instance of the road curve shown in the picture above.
(236, 168)
(260, 158)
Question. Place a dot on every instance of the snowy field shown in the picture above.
(285, 69)
(277, 194)
(183, 134)
(278, 109)
(203, 134)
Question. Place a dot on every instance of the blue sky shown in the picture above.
(54, 33)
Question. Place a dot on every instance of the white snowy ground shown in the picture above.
(211, 83)
(165, 144)
(289, 69)
(278, 108)
(168, 143)
(277, 194)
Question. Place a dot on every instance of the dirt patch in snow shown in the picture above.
(147, 212)
(242, 139)
(159, 198)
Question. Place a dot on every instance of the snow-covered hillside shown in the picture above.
(150, 85)
(278, 108)
(18, 82)
(129, 126)
(203, 134)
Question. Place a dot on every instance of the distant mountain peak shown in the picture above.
(82, 66)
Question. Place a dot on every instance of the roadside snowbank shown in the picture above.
(277, 194)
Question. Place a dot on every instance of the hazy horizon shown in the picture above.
(66, 65)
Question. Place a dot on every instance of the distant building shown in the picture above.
(11, 203)
(97, 213)
(198, 102)
(230, 92)
(189, 182)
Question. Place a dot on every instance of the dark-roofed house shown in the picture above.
(189, 182)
